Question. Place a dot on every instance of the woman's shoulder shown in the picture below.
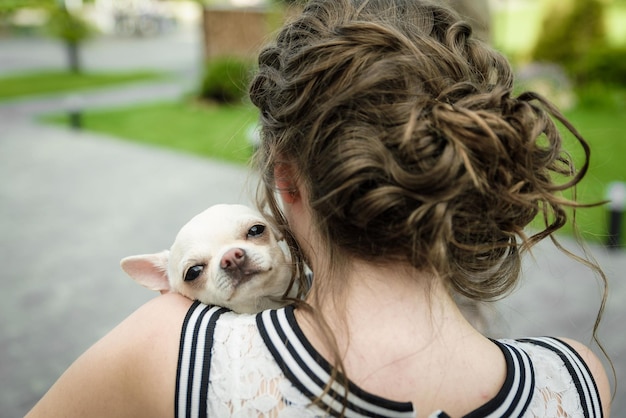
(126, 373)
(168, 306)
(561, 362)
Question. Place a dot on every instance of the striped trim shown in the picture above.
(578, 369)
(309, 372)
(515, 395)
(194, 360)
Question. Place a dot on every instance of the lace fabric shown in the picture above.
(247, 382)
(555, 394)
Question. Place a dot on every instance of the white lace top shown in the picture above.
(262, 366)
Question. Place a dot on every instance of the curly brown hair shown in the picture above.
(408, 138)
(412, 147)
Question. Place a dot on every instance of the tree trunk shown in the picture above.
(73, 56)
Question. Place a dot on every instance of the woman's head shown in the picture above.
(404, 133)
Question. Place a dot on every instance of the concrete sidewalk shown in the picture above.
(72, 204)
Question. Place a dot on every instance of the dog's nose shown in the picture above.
(233, 259)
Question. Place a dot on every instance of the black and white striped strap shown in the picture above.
(194, 360)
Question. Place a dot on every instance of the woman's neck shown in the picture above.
(398, 334)
(374, 300)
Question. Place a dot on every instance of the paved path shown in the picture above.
(72, 204)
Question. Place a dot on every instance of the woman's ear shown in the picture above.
(285, 179)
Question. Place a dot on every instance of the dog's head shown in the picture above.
(228, 255)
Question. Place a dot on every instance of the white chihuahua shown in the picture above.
(228, 255)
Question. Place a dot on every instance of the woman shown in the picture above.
(403, 172)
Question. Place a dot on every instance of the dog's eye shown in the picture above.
(256, 230)
(193, 273)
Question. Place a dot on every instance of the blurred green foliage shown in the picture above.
(10, 6)
(605, 63)
(70, 28)
(63, 24)
(225, 79)
(570, 31)
(574, 36)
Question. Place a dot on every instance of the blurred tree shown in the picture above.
(574, 36)
(72, 30)
(62, 24)
(570, 31)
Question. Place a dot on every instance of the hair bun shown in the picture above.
(409, 157)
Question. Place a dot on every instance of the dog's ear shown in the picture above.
(149, 270)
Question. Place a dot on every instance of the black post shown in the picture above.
(76, 119)
(615, 228)
(75, 111)
(616, 194)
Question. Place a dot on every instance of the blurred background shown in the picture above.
(121, 119)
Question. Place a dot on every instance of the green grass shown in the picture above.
(30, 84)
(207, 130)
(603, 127)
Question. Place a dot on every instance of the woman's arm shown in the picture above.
(130, 372)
